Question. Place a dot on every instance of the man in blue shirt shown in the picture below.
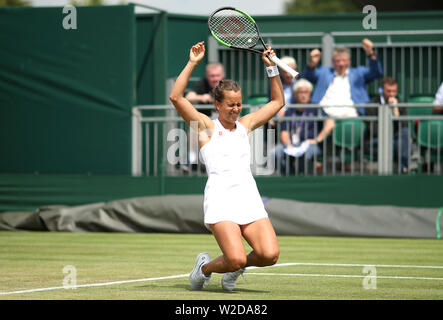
(342, 85)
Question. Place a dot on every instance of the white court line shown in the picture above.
(95, 284)
(349, 265)
(249, 268)
(338, 276)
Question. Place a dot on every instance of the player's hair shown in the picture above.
(339, 50)
(302, 83)
(389, 81)
(222, 86)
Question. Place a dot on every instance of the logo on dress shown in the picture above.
(220, 133)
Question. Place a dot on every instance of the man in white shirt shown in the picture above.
(342, 87)
(339, 91)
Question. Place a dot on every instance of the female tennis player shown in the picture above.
(233, 207)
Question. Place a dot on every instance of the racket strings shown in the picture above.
(234, 28)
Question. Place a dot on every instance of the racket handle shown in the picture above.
(284, 66)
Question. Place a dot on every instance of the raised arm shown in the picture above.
(311, 72)
(183, 106)
(375, 69)
(256, 119)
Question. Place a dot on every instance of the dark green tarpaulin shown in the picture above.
(184, 214)
(26, 192)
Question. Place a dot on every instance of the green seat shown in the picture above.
(423, 98)
(348, 133)
(348, 136)
(420, 111)
(257, 100)
(430, 137)
(431, 133)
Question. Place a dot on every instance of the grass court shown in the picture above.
(155, 266)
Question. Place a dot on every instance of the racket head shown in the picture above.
(233, 28)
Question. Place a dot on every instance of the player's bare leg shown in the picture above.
(229, 238)
(262, 238)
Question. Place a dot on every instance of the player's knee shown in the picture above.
(270, 257)
(236, 262)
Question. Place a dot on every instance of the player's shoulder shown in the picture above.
(207, 122)
(245, 121)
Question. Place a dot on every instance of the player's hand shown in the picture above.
(315, 56)
(268, 52)
(368, 46)
(197, 52)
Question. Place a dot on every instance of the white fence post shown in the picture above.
(136, 142)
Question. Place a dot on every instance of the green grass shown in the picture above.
(31, 260)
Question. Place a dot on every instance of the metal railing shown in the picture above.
(163, 144)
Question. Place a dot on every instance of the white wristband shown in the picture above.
(272, 71)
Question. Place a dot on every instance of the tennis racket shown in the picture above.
(236, 29)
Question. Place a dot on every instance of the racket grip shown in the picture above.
(284, 66)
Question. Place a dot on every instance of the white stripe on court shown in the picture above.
(249, 268)
(348, 265)
(338, 276)
(96, 284)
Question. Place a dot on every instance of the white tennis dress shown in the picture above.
(231, 193)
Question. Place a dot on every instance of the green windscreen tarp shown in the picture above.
(26, 192)
(66, 94)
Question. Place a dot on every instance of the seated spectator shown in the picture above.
(295, 132)
(401, 137)
(342, 85)
(438, 102)
(287, 81)
(201, 93)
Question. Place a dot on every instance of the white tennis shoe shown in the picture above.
(229, 279)
(197, 277)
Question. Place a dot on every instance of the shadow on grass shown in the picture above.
(212, 288)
